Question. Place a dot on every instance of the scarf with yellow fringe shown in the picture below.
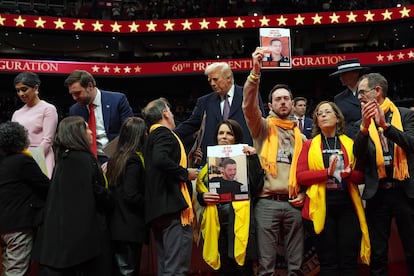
(317, 193)
(400, 159)
(268, 154)
(187, 215)
(210, 226)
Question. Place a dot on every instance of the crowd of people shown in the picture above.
(170, 9)
(81, 196)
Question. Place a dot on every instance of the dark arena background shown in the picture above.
(157, 48)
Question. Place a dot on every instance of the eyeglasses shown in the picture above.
(363, 92)
(326, 111)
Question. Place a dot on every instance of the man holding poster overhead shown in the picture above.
(278, 142)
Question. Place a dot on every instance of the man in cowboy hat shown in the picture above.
(349, 71)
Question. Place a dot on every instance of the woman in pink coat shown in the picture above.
(37, 116)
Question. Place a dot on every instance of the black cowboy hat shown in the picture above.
(348, 65)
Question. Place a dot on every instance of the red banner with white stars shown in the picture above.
(191, 67)
(209, 23)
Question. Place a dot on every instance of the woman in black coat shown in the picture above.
(125, 173)
(73, 239)
(23, 189)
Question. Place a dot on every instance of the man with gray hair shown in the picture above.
(385, 145)
(168, 191)
(223, 103)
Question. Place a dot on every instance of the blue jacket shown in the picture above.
(210, 104)
(115, 110)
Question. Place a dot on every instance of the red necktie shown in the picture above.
(300, 124)
(92, 127)
(226, 108)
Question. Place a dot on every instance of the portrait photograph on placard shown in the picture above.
(276, 43)
(227, 172)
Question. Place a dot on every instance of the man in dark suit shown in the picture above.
(212, 105)
(168, 207)
(111, 109)
(299, 111)
(385, 145)
(349, 71)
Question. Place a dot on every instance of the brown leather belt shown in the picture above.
(277, 197)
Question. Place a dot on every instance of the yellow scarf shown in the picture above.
(269, 151)
(210, 227)
(400, 159)
(187, 215)
(27, 152)
(317, 194)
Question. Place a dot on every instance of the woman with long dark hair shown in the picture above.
(125, 174)
(219, 219)
(73, 239)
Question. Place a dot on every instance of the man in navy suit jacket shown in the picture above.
(210, 107)
(305, 124)
(111, 108)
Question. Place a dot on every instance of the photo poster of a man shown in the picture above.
(276, 43)
(227, 172)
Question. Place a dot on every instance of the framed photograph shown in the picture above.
(277, 45)
(227, 172)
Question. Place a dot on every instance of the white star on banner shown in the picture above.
(380, 57)
(239, 22)
(282, 20)
(97, 26)
(351, 17)
(151, 26)
(264, 21)
(169, 26)
(387, 14)
(390, 57)
(133, 27)
(334, 18)
(116, 27)
(19, 21)
(59, 24)
(40, 23)
(127, 70)
(317, 19)
(405, 12)
(187, 25)
(299, 19)
(221, 23)
(369, 16)
(204, 24)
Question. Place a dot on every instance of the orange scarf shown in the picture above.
(268, 155)
(187, 215)
(400, 159)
